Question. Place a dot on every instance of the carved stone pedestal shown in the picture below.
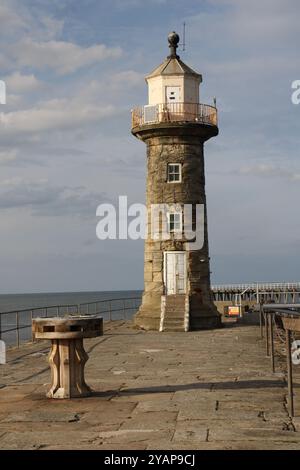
(67, 357)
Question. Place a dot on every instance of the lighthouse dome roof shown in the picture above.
(173, 66)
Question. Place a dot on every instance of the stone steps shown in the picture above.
(175, 322)
(174, 313)
(173, 329)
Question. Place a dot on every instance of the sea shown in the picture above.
(16, 302)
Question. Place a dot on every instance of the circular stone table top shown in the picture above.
(71, 327)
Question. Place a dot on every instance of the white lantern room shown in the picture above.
(173, 81)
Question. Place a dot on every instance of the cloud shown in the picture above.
(63, 57)
(18, 83)
(128, 77)
(87, 104)
(8, 156)
(59, 114)
(9, 19)
(16, 19)
(50, 27)
(45, 199)
(249, 18)
(270, 171)
(124, 4)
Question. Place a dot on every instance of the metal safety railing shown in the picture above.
(174, 112)
(279, 292)
(275, 319)
(261, 286)
(15, 325)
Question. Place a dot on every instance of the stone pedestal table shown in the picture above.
(67, 357)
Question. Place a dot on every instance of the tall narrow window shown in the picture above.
(175, 222)
(174, 172)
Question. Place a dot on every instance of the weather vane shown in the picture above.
(183, 38)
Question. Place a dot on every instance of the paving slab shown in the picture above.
(197, 390)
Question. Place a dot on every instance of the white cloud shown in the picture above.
(18, 83)
(9, 19)
(8, 156)
(16, 19)
(270, 171)
(43, 198)
(51, 28)
(63, 57)
(264, 20)
(128, 78)
(124, 4)
(53, 115)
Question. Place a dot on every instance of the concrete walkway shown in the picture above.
(196, 390)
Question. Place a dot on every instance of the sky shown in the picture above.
(74, 70)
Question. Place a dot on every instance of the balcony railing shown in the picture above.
(175, 112)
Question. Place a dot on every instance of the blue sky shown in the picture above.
(73, 72)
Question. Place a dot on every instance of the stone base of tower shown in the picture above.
(201, 316)
(149, 313)
(204, 318)
(203, 313)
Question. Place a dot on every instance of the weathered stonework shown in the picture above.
(176, 143)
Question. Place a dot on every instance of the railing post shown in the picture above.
(267, 334)
(290, 372)
(110, 310)
(57, 311)
(18, 330)
(31, 318)
(261, 321)
(271, 319)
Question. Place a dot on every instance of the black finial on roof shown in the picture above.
(173, 39)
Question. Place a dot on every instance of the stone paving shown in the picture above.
(197, 390)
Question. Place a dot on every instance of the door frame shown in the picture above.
(165, 271)
(166, 94)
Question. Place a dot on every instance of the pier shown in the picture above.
(196, 390)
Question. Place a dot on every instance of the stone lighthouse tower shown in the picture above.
(174, 126)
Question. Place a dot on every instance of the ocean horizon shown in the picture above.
(19, 302)
(9, 302)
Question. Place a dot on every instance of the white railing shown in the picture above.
(175, 112)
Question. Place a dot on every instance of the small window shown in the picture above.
(174, 173)
(175, 222)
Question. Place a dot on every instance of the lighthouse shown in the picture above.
(174, 126)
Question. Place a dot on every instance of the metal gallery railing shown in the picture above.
(15, 325)
(175, 112)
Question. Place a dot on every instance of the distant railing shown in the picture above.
(15, 325)
(263, 286)
(284, 292)
(175, 112)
